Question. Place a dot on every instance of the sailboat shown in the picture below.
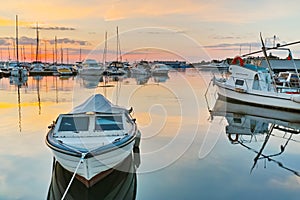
(37, 67)
(17, 70)
(116, 68)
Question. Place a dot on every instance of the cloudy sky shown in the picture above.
(193, 30)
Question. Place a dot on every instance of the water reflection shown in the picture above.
(141, 79)
(258, 129)
(19, 82)
(119, 183)
(89, 81)
(160, 78)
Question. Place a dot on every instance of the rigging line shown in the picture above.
(74, 174)
(262, 148)
(270, 48)
(271, 159)
(285, 138)
(268, 62)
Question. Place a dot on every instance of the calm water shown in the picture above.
(185, 152)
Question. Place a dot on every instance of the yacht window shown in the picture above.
(108, 123)
(239, 82)
(294, 76)
(74, 124)
(237, 120)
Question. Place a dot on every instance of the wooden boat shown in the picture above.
(94, 137)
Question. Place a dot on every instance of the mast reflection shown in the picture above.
(19, 82)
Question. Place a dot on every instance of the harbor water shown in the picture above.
(185, 151)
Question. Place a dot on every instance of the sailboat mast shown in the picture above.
(105, 50)
(67, 55)
(53, 55)
(45, 51)
(37, 43)
(80, 54)
(117, 44)
(62, 55)
(8, 53)
(31, 57)
(17, 41)
(24, 53)
(55, 49)
(14, 48)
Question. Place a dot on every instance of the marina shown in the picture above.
(149, 100)
(173, 125)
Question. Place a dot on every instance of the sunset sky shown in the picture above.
(192, 30)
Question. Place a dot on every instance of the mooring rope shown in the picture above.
(69, 185)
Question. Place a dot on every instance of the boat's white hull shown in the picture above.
(139, 71)
(19, 72)
(94, 165)
(90, 72)
(160, 72)
(261, 98)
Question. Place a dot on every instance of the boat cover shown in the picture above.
(97, 103)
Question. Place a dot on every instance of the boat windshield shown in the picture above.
(107, 123)
(74, 124)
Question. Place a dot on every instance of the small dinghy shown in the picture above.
(94, 137)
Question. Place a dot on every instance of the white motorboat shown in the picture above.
(214, 65)
(94, 137)
(141, 67)
(91, 67)
(115, 68)
(254, 85)
(159, 69)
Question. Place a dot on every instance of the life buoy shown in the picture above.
(239, 59)
(235, 140)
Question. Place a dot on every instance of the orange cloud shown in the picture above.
(12, 22)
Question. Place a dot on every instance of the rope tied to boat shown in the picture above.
(74, 174)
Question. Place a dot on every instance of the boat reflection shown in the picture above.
(89, 81)
(118, 183)
(141, 79)
(161, 78)
(253, 128)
